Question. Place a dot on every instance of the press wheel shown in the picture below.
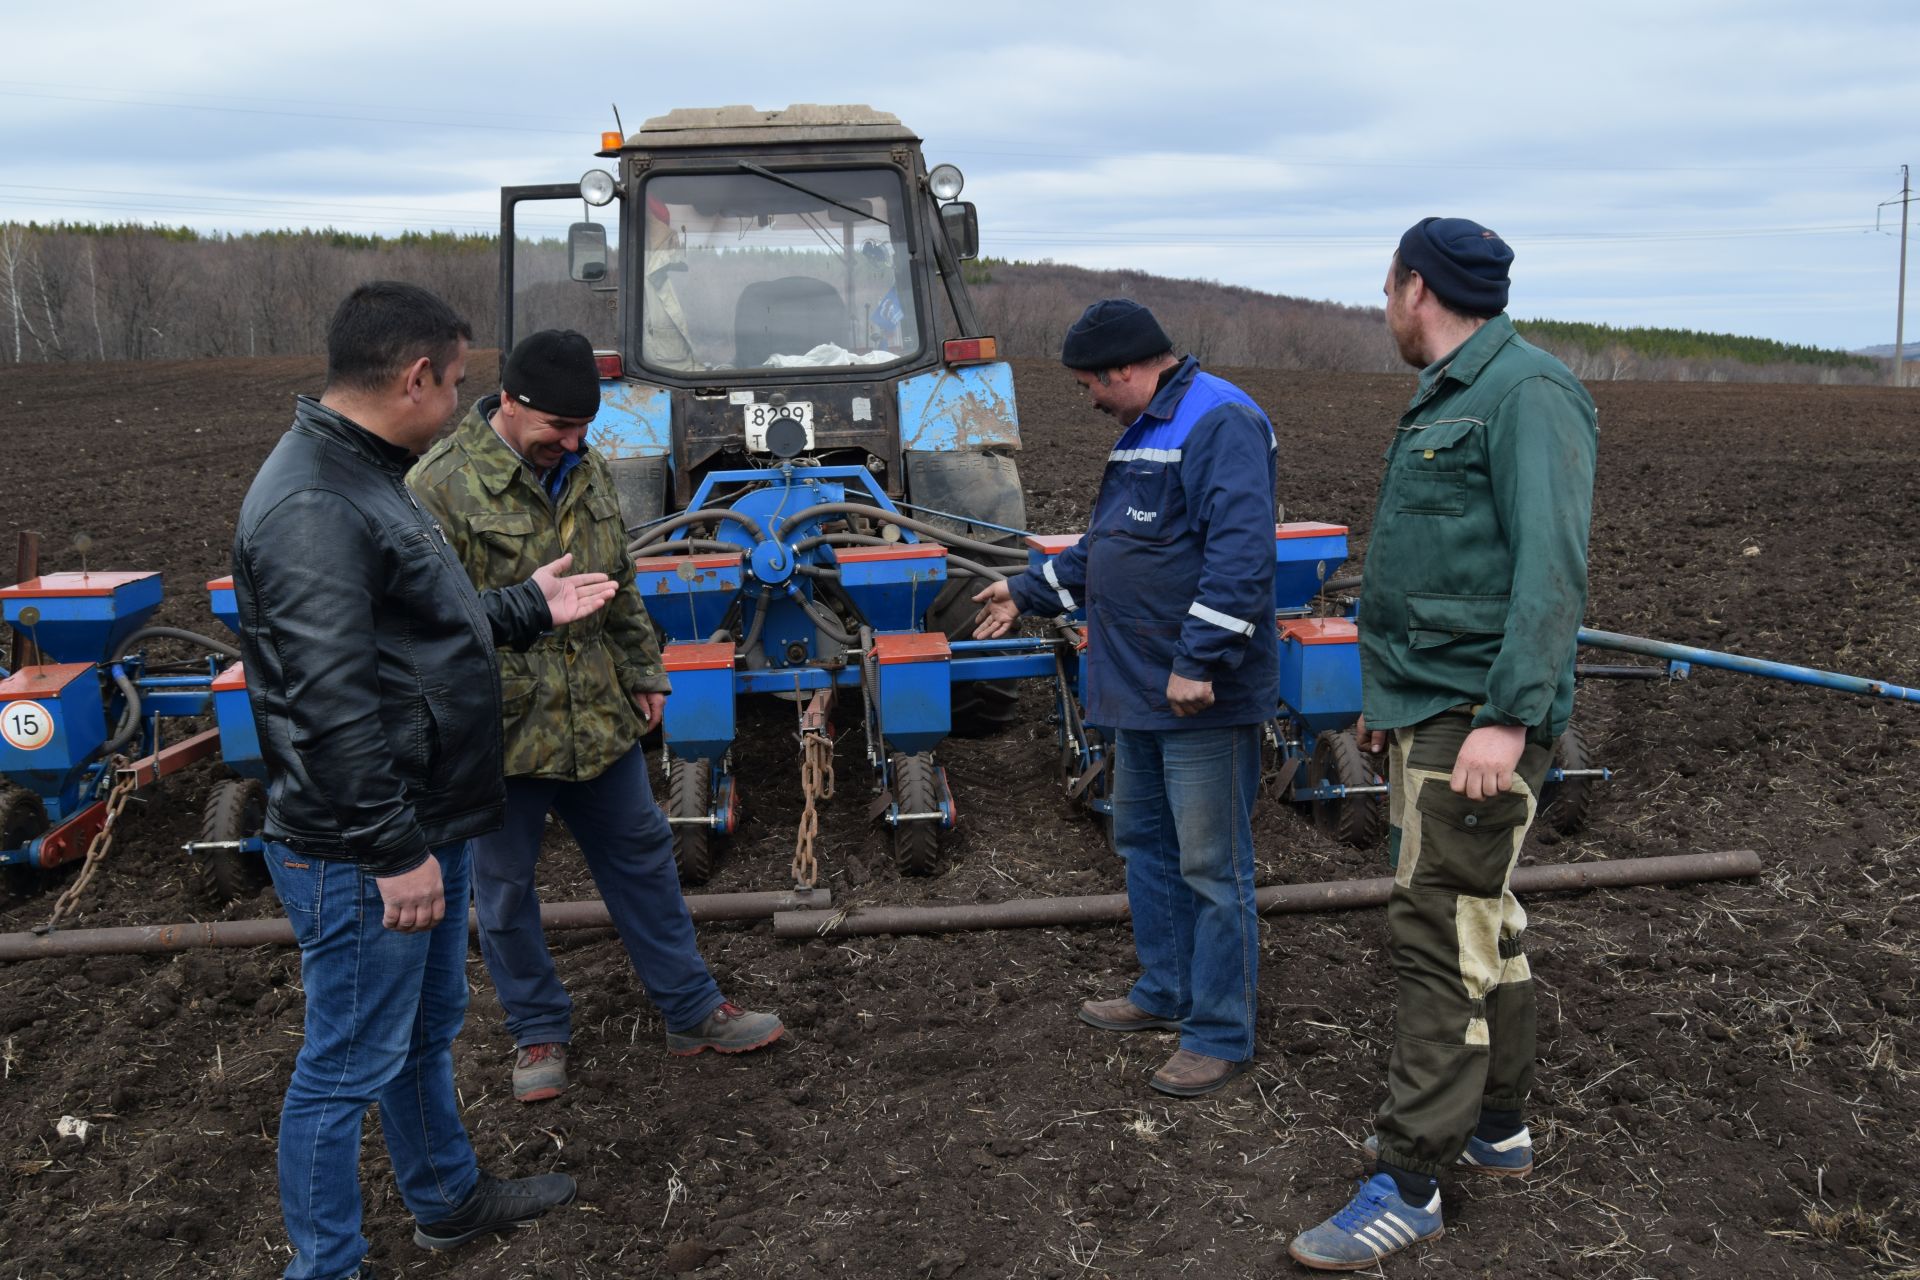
(236, 810)
(1359, 821)
(916, 844)
(689, 795)
(1565, 805)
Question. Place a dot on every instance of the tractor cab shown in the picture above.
(738, 269)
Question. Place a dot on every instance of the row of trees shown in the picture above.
(138, 293)
(123, 292)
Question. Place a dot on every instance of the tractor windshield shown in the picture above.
(756, 270)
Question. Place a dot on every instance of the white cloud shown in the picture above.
(1626, 149)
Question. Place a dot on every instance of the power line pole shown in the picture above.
(1900, 312)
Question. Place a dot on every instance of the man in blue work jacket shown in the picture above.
(1176, 573)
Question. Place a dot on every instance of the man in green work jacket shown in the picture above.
(516, 483)
(1476, 582)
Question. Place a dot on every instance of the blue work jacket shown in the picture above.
(1176, 569)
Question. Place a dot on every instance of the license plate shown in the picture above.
(761, 416)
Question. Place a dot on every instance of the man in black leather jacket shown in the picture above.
(374, 684)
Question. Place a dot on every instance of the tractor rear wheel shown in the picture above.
(689, 795)
(1359, 821)
(1564, 805)
(22, 818)
(916, 843)
(236, 810)
(981, 708)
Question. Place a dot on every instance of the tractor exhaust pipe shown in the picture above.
(150, 939)
(1279, 899)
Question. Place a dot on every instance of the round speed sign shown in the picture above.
(26, 725)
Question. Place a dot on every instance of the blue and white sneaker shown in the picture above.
(1507, 1158)
(1375, 1223)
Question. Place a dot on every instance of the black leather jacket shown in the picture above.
(370, 658)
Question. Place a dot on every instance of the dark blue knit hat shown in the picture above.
(1113, 332)
(553, 371)
(1461, 261)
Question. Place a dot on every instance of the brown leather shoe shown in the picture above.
(1188, 1074)
(1123, 1015)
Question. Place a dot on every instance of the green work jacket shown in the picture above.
(1476, 569)
(567, 703)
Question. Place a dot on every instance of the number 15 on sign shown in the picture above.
(26, 725)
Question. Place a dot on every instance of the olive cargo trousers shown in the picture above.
(1463, 1009)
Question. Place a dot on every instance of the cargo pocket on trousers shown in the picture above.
(1466, 846)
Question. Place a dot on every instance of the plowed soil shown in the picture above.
(1728, 1072)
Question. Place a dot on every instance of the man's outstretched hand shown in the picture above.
(571, 597)
(997, 613)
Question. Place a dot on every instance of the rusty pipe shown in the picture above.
(705, 908)
(1278, 899)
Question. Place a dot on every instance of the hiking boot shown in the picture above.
(1507, 1158)
(539, 1072)
(496, 1204)
(728, 1029)
(1123, 1015)
(1188, 1074)
(1374, 1224)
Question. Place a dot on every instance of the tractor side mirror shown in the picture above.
(587, 252)
(962, 226)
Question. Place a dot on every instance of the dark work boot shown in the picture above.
(496, 1204)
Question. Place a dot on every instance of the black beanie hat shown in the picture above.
(1111, 333)
(553, 371)
(1461, 261)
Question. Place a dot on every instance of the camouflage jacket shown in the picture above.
(567, 702)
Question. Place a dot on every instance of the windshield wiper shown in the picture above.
(770, 176)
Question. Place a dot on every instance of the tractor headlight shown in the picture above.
(596, 186)
(945, 182)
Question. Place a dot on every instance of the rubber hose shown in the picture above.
(759, 619)
(973, 567)
(888, 517)
(129, 720)
(701, 516)
(868, 540)
(685, 547)
(175, 633)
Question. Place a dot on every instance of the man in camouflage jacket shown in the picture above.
(514, 486)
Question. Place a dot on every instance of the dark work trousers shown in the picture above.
(1463, 1008)
(629, 849)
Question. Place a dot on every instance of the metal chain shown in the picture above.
(816, 783)
(126, 782)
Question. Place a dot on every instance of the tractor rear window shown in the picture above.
(745, 271)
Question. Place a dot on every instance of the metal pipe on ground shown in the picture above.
(705, 908)
(1279, 899)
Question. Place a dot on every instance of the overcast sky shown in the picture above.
(1708, 165)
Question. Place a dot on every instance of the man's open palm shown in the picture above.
(571, 597)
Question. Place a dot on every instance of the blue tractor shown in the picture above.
(783, 289)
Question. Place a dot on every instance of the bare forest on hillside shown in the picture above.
(136, 293)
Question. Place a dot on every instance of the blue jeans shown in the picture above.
(1183, 820)
(383, 1009)
(629, 849)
